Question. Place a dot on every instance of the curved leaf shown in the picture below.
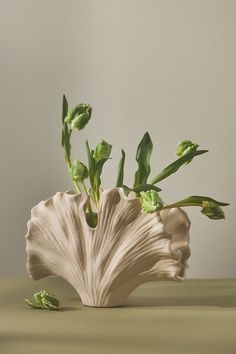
(143, 156)
(174, 166)
(120, 176)
(195, 200)
(91, 164)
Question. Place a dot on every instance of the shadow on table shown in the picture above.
(168, 301)
(67, 308)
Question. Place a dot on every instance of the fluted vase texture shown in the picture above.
(104, 264)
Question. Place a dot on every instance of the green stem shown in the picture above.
(85, 189)
(76, 184)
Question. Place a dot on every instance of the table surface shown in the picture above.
(191, 317)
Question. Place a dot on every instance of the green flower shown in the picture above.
(185, 147)
(212, 210)
(79, 171)
(79, 116)
(102, 151)
(44, 300)
(151, 201)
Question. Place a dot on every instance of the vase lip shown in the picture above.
(131, 196)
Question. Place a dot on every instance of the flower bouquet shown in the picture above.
(106, 242)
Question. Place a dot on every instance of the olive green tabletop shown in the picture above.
(191, 317)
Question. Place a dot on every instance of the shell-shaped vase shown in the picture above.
(104, 264)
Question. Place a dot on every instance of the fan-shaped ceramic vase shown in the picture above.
(104, 264)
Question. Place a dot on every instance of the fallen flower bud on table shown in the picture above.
(44, 300)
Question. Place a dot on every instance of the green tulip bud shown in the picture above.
(151, 201)
(185, 147)
(102, 151)
(79, 116)
(79, 171)
(212, 210)
(80, 121)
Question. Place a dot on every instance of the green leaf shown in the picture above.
(210, 207)
(64, 114)
(66, 132)
(195, 200)
(127, 189)
(64, 108)
(143, 156)
(120, 176)
(173, 167)
(95, 171)
(91, 164)
(141, 188)
(146, 187)
(67, 145)
(97, 175)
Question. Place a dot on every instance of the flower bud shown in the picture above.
(79, 171)
(212, 210)
(79, 116)
(185, 147)
(80, 121)
(151, 201)
(102, 151)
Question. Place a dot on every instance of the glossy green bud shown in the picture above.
(102, 151)
(151, 201)
(212, 210)
(79, 116)
(185, 147)
(79, 171)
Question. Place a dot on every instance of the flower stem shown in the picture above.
(76, 184)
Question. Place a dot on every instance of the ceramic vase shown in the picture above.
(104, 264)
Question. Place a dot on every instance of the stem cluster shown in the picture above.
(148, 192)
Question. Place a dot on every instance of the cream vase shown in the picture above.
(104, 264)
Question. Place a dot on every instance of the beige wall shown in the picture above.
(168, 67)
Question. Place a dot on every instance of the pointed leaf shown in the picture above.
(64, 108)
(64, 114)
(66, 140)
(141, 188)
(97, 173)
(210, 207)
(143, 156)
(195, 200)
(120, 176)
(91, 164)
(146, 187)
(173, 167)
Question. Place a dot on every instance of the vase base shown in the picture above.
(104, 306)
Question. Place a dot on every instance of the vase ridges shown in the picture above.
(106, 263)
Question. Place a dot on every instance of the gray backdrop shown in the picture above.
(168, 67)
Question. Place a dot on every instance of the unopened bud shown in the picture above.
(79, 171)
(102, 151)
(151, 201)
